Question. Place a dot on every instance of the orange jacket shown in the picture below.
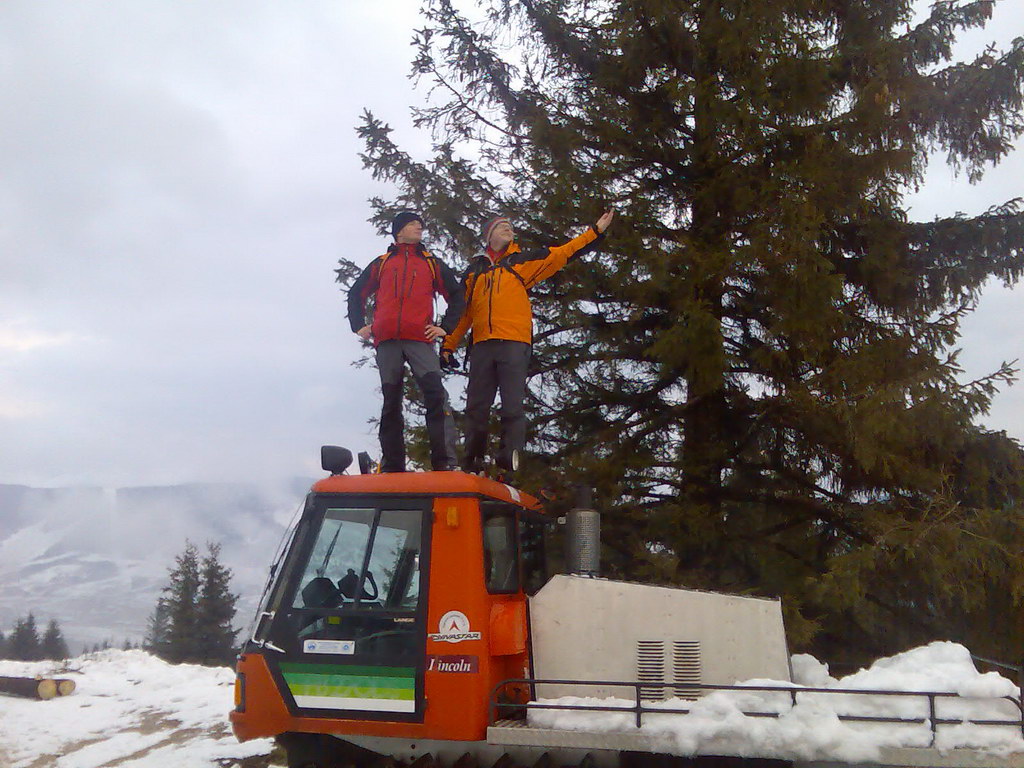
(497, 303)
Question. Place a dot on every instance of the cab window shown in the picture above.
(532, 533)
(501, 556)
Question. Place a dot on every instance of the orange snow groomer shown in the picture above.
(498, 312)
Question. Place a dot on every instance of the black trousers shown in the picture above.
(496, 365)
(426, 369)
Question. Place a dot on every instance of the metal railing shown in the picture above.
(1018, 668)
(639, 710)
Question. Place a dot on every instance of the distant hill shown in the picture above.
(96, 559)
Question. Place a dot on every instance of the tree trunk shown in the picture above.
(30, 688)
(703, 448)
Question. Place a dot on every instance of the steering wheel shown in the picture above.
(348, 583)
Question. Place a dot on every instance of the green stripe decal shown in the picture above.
(340, 681)
(351, 692)
(351, 681)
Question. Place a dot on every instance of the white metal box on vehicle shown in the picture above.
(598, 629)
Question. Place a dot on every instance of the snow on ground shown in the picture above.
(812, 730)
(130, 709)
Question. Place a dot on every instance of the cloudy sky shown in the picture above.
(177, 182)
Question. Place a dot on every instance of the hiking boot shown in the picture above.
(508, 463)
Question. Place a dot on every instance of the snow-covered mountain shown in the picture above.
(96, 559)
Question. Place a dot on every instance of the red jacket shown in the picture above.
(403, 283)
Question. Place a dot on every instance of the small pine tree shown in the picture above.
(182, 599)
(54, 646)
(3, 646)
(157, 629)
(24, 641)
(192, 619)
(215, 610)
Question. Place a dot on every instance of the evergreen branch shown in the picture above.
(463, 104)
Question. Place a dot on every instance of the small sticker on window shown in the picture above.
(336, 647)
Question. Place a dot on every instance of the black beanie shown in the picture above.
(402, 219)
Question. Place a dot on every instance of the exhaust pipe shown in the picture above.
(583, 536)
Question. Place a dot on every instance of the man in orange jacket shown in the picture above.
(499, 313)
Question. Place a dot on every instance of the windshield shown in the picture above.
(363, 557)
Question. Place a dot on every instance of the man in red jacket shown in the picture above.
(403, 283)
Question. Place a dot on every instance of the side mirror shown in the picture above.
(335, 459)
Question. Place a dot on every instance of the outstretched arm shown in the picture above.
(534, 271)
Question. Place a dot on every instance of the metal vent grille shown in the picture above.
(650, 668)
(686, 667)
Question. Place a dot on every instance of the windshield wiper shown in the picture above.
(323, 566)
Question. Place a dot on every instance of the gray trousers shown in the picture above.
(496, 365)
(426, 369)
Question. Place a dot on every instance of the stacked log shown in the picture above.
(37, 688)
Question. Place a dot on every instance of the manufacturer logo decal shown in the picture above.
(454, 628)
(338, 647)
(453, 664)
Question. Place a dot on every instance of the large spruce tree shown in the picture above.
(758, 371)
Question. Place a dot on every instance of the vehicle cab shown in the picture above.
(397, 605)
